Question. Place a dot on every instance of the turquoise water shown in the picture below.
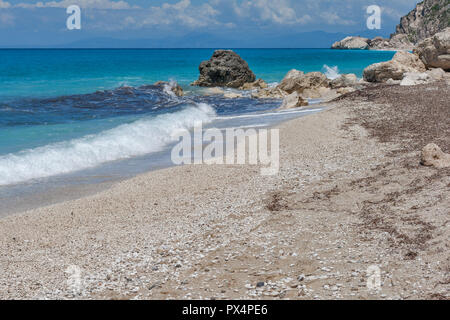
(62, 111)
(32, 73)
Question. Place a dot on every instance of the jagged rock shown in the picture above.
(352, 43)
(345, 80)
(401, 42)
(224, 69)
(290, 81)
(171, 86)
(379, 43)
(435, 51)
(428, 18)
(395, 69)
(294, 100)
(269, 93)
(298, 81)
(415, 78)
(397, 42)
(258, 84)
(433, 156)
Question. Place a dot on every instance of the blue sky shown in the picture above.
(192, 23)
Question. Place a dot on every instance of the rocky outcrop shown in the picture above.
(409, 60)
(379, 43)
(345, 80)
(358, 43)
(258, 84)
(224, 69)
(435, 51)
(400, 42)
(297, 81)
(395, 69)
(294, 100)
(397, 42)
(269, 93)
(290, 81)
(428, 18)
(433, 156)
(313, 85)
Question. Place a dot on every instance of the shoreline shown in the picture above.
(203, 232)
(68, 191)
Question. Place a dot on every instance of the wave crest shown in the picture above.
(331, 72)
(141, 137)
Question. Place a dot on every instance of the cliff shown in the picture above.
(428, 18)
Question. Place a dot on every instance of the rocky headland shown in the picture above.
(424, 21)
(429, 62)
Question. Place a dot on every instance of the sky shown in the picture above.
(193, 23)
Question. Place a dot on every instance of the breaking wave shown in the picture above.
(331, 72)
(147, 135)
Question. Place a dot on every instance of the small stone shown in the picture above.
(260, 284)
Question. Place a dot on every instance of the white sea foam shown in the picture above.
(267, 114)
(128, 140)
(331, 72)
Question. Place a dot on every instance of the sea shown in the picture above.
(77, 117)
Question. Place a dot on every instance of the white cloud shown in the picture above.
(183, 13)
(333, 18)
(6, 20)
(4, 4)
(275, 11)
(92, 4)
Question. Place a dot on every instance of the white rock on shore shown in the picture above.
(435, 51)
(433, 156)
(297, 81)
(415, 78)
(294, 100)
(402, 62)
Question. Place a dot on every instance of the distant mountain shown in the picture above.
(428, 18)
(315, 39)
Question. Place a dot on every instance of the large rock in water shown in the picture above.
(224, 69)
(352, 43)
(395, 69)
(170, 87)
(435, 51)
